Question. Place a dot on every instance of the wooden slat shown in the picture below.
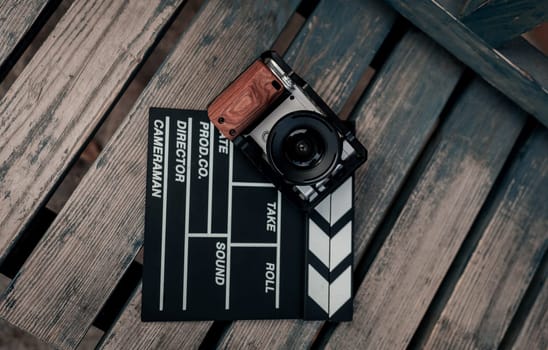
(498, 21)
(528, 58)
(520, 52)
(394, 120)
(458, 39)
(337, 44)
(57, 101)
(130, 333)
(16, 18)
(534, 334)
(466, 157)
(100, 230)
(511, 248)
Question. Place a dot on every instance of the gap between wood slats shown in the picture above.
(384, 228)
(153, 59)
(526, 305)
(31, 42)
(130, 93)
(466, 250)
(400, 27)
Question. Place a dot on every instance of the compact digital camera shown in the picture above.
(287, 130)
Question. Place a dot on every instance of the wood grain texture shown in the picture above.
(498, 21)
(465, 45)
(244, 100)
(518, 51)
(336, 45)
(394, 121)
(513, 243)
(16, 18)
(467, 156)
(534, 333)
(58, 100)
(155, 335)
(100, 230)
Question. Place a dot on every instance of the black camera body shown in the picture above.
(296, 140)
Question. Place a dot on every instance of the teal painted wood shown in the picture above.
(394, 120)
(464, 44)
(100, 230)
(16, 18)
(498, 21)
(513, 243)
(466, 157)
(527, 57)
(471, 6)
(337, 44)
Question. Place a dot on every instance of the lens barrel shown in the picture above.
(303, 147)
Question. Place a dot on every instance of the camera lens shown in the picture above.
(303, 147)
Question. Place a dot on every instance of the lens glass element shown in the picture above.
(304, 148)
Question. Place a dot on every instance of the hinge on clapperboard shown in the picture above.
(328, 263)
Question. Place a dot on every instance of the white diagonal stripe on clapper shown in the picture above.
(318, 288)
(341, 246)
(340, 291)
(318, 242)
(341, 201)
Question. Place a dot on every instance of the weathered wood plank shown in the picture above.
(534, 333)
(524, 55)
(16, 18)
(337, 44)
(61, 96)
(100, 230)
(466, 157)
(498, 21)
(512, 245)
(465, 45)
(394, 120)
(129, 333)
(518, 51)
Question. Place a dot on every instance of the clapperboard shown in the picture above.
(221, 243)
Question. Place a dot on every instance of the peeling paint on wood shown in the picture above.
(62, 95)
(469, 152)
(511, 248)
(497, 21)
(465, 45)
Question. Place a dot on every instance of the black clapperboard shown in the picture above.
(221, 243)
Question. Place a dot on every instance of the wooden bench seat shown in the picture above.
(451, 222)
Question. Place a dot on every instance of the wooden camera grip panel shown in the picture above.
(245, 99)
